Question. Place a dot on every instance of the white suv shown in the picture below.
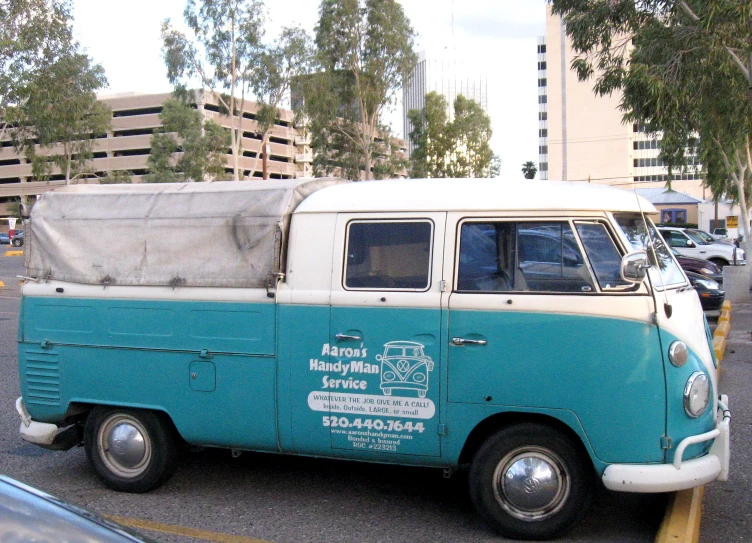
(688, 243)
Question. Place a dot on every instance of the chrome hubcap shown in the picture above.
(125, 445)
(531, 483)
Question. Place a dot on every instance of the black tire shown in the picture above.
(17, 243)
(519, 505)
(719, 262)
(139, 466)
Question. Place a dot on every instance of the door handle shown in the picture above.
(345, 337)
(458, 341)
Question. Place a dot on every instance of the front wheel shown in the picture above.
(530, 482)
(132, 450)
(17, 243)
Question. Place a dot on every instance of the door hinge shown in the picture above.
(442, 285)
(665, 443)
(442, 429)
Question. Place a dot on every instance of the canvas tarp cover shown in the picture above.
(221, 234)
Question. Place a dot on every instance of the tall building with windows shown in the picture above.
(582, 137)
(444, 74)
(542, 110)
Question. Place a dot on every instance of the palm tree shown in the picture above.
(529, 169)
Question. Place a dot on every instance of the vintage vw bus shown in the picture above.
(539, 334)
(404, 366)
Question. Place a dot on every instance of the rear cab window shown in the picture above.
(389, 255)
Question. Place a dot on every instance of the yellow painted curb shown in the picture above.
(725, 316)
(681, 524)
(14, 253)
(722, 329)
(719, 346)
(2, 284)
(726, 305)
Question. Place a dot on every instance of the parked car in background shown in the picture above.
(28, 514)
(18, 238)
(707, 236)
(688, 242)
(709, 291)
(721, 234)
(4, 239)
(699, 265)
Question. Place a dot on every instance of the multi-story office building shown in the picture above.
(444, 74)
(582, 137)
(542, 109)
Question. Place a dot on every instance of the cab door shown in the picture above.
(568, 338)
(384, 376)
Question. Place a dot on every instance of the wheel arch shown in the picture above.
(491, 425)
(78, 412)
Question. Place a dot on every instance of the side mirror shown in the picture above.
(634, 267)
(691, 244)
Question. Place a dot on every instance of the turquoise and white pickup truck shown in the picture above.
(539, 334)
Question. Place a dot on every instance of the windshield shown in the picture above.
(633, 227)
(699, 237)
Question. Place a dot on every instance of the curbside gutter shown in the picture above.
(681, 524)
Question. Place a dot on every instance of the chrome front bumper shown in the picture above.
(679, 475)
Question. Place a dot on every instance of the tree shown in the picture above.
(456, 148)
(685, 70)
(431, 144)
(364, 52)
(33, 35)
(286, 61)
(495, 170)
(60, 118)
(529, 169)
(117, 177)
(224, 56)
(187, 147)
(471, 132)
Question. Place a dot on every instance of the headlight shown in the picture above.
(707, 283)
(706, 271)
(678, 353)
(696, 394)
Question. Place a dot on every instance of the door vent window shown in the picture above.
(389, 255)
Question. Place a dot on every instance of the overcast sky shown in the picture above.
(500, 35)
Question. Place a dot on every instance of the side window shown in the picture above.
(603, 255)
(675, 239)
(389, 255)
(550, 259)
(521, 256)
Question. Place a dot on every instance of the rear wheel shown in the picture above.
(719, 262)
(17, 242)
(132, 450)
(530, 482)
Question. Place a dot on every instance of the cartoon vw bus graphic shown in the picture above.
(404, 366)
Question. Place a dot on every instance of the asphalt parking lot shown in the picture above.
(271, 498)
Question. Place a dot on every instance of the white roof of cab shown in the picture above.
(409, 195)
